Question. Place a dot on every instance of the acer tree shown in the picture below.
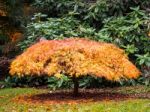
(74, 57)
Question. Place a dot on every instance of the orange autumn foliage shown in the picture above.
(74, 56)
(2, 13)
(16, 36)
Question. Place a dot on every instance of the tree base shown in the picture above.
(76, 86)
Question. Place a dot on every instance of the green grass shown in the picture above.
(131, 105)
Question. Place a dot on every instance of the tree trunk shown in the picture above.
(76, 85)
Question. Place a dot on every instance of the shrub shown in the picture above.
(61, 7)
(93, 11)
(129, 32)
(23, 81)
(75, 58)
(55, 82)
(55, 28)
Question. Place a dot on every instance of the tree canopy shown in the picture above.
(74, 57)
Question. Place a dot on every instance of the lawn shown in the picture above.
(123, 99)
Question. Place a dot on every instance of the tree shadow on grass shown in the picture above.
(66, 97)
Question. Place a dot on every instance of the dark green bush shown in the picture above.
(93, 11)
(129, 32)
(61, 7)
(55, 28)
(55, 83)
(22, 82)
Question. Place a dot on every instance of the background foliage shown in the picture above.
(125, 23)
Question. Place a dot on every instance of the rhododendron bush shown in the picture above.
(74, 57)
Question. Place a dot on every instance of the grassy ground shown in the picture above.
(7, 103)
